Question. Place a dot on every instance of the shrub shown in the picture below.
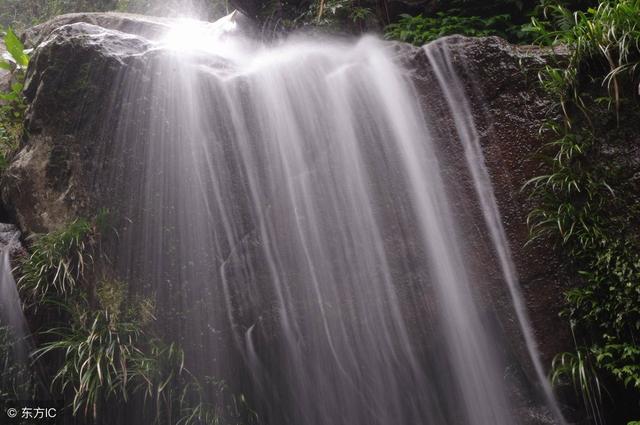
(101, 350)
(420, 30)
(57, 261)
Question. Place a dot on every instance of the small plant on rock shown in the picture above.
(12, 103)
(57, 261)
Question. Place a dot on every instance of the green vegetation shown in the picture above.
(107, 354)
(428, 19)
(101, 343)
(12, 104)
(420, 30)
(588, 199)
(508, 19)
(57, 262)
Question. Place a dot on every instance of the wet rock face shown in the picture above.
(509, 109)
(79, 63)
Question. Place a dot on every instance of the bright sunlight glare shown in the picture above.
(190, 34)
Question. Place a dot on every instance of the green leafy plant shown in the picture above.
(18, 57)
(420, 30)
(587, 199)
(111, 355)
(14, 106)
(622, 360)
(12, 103)
(359, 13)
(57, 261)
(100, 353)
(15, 61)
(580, 371)
(604, 36)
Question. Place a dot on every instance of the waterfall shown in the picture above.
(11, 314)
(14, 330)
(289, 208)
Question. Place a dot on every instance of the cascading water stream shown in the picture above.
(287, 207)
(16, 335)
(439, 58)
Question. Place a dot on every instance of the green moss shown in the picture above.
(420, 30)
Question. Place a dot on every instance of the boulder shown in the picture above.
(46, 184)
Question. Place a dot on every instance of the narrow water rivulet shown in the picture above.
(288, 206)
(14, 330)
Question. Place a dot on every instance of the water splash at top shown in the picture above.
(187, 34)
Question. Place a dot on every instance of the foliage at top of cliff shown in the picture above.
(413, 21)
(420, 30)
(508, 19)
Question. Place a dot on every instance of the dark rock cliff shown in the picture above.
(509, 108)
